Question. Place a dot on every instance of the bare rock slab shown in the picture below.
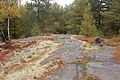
(105, 70)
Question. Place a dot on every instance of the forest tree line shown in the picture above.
(82, 17)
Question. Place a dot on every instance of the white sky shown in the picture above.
(64, 2)
(61, 2)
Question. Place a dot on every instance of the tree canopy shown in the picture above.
(82, 17)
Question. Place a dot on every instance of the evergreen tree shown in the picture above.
(81, 20)
(88, 27)
(111, 19)
(74, 14)
(43, 14)
(57, 19)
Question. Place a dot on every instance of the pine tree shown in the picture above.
(88, 27)
(43, 13)
(74, 14)
(111, 19)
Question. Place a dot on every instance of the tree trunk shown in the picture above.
(3, 35)
(8, 28)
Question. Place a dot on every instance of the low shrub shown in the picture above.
(114, 42)
(87, 39)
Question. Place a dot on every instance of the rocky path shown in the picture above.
(72, 50)
(106, 70)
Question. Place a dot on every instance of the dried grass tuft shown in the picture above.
(90, 78)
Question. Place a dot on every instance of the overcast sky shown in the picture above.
(61, 2)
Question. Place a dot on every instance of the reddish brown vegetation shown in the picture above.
(17, 45)
(3, 56)
(87, 39)
(116, 43)
(51, 70)
(8, 48)
(29, 44)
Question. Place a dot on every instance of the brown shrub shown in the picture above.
(87, 39)
(114, 42)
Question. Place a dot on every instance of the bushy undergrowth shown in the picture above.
(114, 41)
